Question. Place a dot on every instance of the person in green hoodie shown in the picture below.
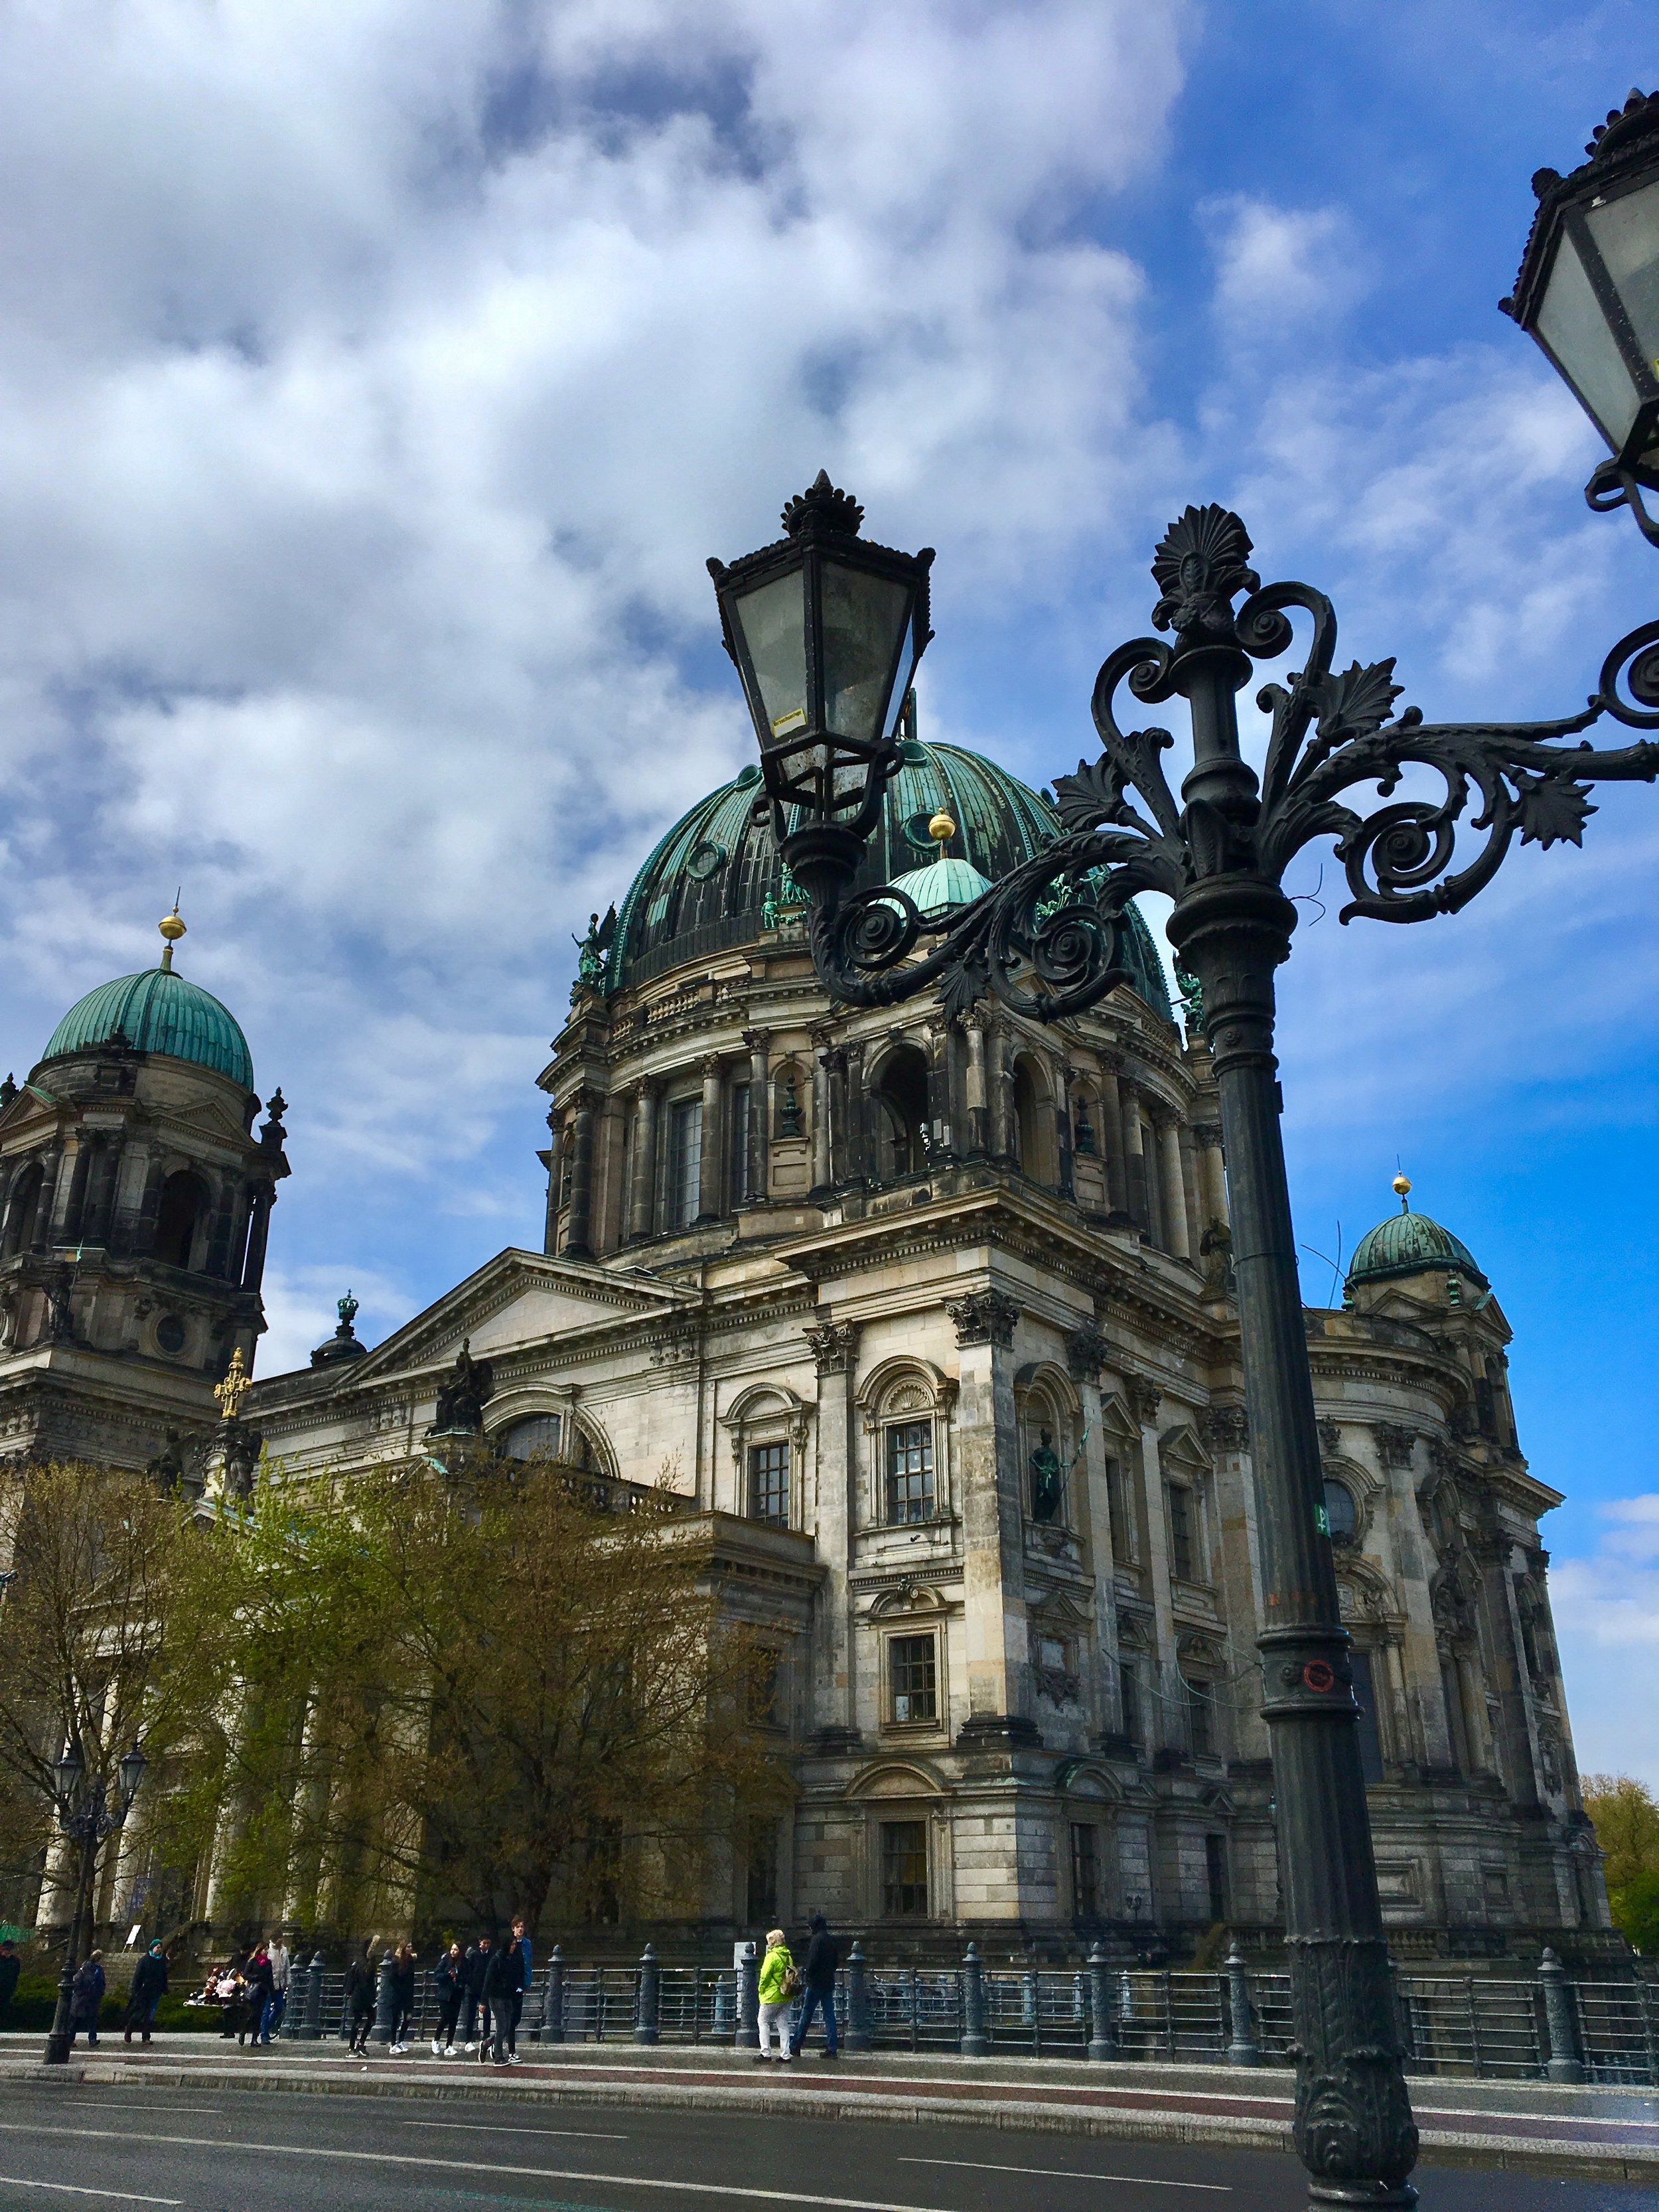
(778, 1986)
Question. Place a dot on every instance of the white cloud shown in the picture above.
(1607, 1616)
(1279, 268)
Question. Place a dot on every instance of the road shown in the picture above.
(222, 2151)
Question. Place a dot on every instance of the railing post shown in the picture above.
(386, 2005)
(1566, 2061)
(975, 2043)
(748, 2000)
(860, 2033)
(648, 2004)
(552, 2027)
(1244, 2049)
(1103, 2029)
(311, 2024)
(722, 2006)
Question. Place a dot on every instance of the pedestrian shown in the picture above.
(449, 1984)
(403, 1997)
(817, 1982)
(521, 1937)
(281, 1961)
(10, 1966)
(778, 1986)
(226, 1986)
(478, 2015)
(256, 1996)
(87, 1997)
(503, 1981)
(360, 2000)
(150, 1984)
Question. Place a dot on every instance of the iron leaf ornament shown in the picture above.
(1050, 937)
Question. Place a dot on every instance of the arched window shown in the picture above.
(183, 1202)
(1033, 1126)
(539, 1437)
(1341, 1515)
(901, 1113)
(20, 1214)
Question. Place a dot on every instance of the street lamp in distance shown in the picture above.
(86, 1815)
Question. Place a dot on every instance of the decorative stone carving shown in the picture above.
(462, 1398)
(1208, 1135)
(1085, 1354)
(1145, 1399)
(1395, 1443)
(1226, 1428)
(1330, 1438)
(834, 1345)
(983, 1317)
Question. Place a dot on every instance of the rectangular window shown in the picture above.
(1215, 1868)
(1181, 1532)
(913, 1677)
(741, 1127)
(1201, 1720)
(904, 1869)
(761, 1888)
(910, 1471)
(1115, 1514)
(768, 1483)
(685, 1161)
(1086, 1872)
(1364, 1696)
(1128, 1691)
(764, 1708)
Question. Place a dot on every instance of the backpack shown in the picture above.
(793, 1985)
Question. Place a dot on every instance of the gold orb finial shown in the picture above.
(941, 829)
(1402, 1191)
(172, 927)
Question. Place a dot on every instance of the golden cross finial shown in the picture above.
(236, 1387)
(171, 928)
(941, 829)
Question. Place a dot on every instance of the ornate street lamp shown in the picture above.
(87, 1816)
(1589, 292)
(1047, 939)
(826, 630)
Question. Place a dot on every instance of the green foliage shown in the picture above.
(1636, 1912)
(1626, 1819)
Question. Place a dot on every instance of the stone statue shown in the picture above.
(789, 1116)
(462, 1398)
(1049, 1476)
(60, 1314)
(592, 951)
(1215, 1248)
(167, 1467)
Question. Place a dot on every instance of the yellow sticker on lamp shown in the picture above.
(794, 720)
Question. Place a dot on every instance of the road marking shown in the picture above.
(477, 2128)
(117, 2195)
(786, 2196)
(1068, 2174)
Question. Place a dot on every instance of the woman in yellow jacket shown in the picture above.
(776, 1991)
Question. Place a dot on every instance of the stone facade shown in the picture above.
(931, 1320)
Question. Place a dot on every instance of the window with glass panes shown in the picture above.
(913, 1677)
(685, 1161)
(904, 1869)
(768, 1483)
(1181, 1532)
(910, 1471)
(1200, 1719)
(1085, 1872)
(740, 1125)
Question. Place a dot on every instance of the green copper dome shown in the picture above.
(710, 882)
(934, 890)
(157, 1011)
(1409, 1243)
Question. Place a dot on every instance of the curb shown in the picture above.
(1545, 2156)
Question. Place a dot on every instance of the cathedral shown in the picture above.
(929, 1320)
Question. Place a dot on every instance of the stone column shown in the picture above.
(1206, 1135)
(73, 1183)
(554, 1170)
(1167, 1724)
(1175, 1191)
(52, 1163)
(987, 1479)
(578, 1241)
(711, 1159)
(973, 1022)
(996, 1041)
(823, 1157)
(1085, 1351)
(847, 1105)
(833, 1708)
(936, 1040)
(642, 1198)
(259, 1229)
(1136, 1196)
(1111, 1140)
(759, 1042)
(1063, 1077)
(1191, 1184)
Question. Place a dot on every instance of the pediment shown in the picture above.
(517, 1299)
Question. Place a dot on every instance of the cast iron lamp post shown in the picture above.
(1048, 938)
(89, 1817)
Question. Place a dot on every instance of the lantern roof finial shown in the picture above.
(821, 511)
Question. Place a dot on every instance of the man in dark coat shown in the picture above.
(503, 1981)
(360, 2000)
(10, 1966)
(818, 1979)
(150, 1984)
(87, 1997)
(478, 2018)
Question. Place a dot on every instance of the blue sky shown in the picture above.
(375, 377)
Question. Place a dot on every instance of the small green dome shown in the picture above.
(157, 1011)
(947, 884)
(1409, 1243)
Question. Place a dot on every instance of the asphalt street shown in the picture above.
(263, 2151)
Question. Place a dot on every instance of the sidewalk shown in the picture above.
(1529, 2126)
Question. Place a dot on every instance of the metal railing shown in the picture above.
(1471, 2026)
